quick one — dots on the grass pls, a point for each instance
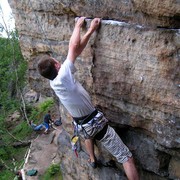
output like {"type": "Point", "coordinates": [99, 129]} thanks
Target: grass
{"type": "Point", "coordinates": [37, 113]}
{"type": "Point", "coordinates": [6, 174]}
{"type": "Point", "coordinates": [22, 131]}
{"type": "Point", "coordinates": [52, 173]}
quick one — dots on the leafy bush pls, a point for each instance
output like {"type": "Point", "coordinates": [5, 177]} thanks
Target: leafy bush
{"type": "Point", "coordinates": [22, 130]}
{"type": "Point", "coordinates": [37, 113]}
{"type": "Point", "coordinates": [53, 169]}
{"type": "Point", "coordinates": [6, 174]}
{"type": "Point", "coordinates": [12, 72]}
{"type": "Point", "coordinates": [47, 104]}
{"type": "Point", "coordinates": [53, 173]}
{"type": "Point", "coordinates": [13, 69]}
{"type": "Point", "coordinates": [4, 153]}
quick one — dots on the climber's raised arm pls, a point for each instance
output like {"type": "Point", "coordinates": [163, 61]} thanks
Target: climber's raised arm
{"type": "Point", "coordinates": [77, 44]}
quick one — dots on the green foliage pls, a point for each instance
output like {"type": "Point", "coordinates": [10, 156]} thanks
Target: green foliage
{"type": "Point", "coordinates": [32, 111]}
{"type": "Point", "coordinates": [47, 104]}
{"type": "Point", "coordinates": [12, 72]}
{"type": "Point", "coordinates": [22, 130]}
{"type": "Point", "coordinates": [36, 113]}
{"type": "Point", "coordinates": [7, 151]}
{"type": "Point", "coordinates": [2, 126]}
{"type": "Point", "coordinates": [4, 153]}
{"type": "Point", "coordinates": [53, 169]}
{"type": "Point", "coordinates": [53, 173]}
{"type": "Point", "coordinates": [13, 78]}
{"type": "Point", "coordinates": [6, 174]}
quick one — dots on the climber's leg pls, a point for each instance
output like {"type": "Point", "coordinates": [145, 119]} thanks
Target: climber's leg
{"type": "Point", "coordinates": [130, 169]}
{"type": "Point", "coordinates": [90, 149]}
{"type": "Point", "coordinates": [113, 143]}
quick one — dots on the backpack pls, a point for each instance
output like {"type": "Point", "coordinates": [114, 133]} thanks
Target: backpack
{"type": "Point", "coordinates": [32, 172]}
{"type": "Point", "coordinates": [58, 122]}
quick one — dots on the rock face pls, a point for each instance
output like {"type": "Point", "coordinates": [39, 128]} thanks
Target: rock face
{"type": "Point", "coordinates": [130, 67]}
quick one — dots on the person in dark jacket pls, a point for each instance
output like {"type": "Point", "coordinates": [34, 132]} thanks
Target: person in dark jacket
{"type": "Point", "coordinates": [47, 121]}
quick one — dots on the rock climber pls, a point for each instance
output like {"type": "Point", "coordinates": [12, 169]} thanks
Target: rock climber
{"type": "Point", "coordinates": [90, 122]}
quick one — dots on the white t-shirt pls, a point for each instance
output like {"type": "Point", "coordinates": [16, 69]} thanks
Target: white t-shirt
{"type": "Point", "coordinates": [70, 92]}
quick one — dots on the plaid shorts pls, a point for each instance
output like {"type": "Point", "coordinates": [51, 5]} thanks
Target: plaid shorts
{"type": "Point", "coordinates": [113, 143]}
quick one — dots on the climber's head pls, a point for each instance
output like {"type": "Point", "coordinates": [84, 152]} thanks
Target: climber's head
{"type": "Point", "coordinates": [48, 67]}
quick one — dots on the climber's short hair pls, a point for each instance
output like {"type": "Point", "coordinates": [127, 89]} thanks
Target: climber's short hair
{"type": "Point", "coordinates": [46, 67]}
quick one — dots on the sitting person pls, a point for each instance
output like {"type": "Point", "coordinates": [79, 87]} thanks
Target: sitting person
{"type": "Point", "coordinates": [36, 127]}
{"type": "Point", "coordinates": [47, 121]}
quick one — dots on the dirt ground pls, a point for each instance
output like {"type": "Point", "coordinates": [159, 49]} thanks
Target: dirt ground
{"type": "Point", "coordinates": [42, 153]}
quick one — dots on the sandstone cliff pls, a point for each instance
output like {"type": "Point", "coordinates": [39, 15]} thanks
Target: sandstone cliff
{"type": "Point", "coordinates": [130, 67]}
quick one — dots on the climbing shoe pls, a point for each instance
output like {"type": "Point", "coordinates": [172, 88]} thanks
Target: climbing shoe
{"type": "Point", "coordinates": [92, 164]}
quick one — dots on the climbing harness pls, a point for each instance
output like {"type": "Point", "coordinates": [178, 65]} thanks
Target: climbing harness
{"type": "Point", "coordinates": [75, 140]}
{"type": "Point", "coordinates": [90, 125]}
